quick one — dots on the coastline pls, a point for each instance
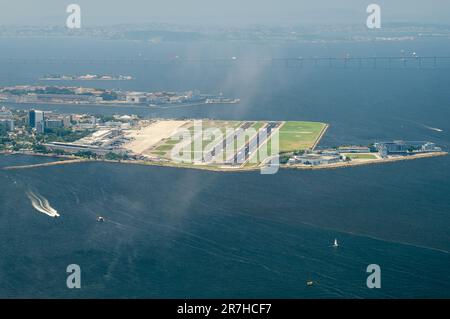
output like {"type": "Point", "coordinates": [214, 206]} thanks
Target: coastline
{"type": "Point", "coordinates": [319, 138]}
{"type": "Point", "coordinates": [369, 162]}
{"type": "Point", "coordinates": [75, 160]}
{"type": "Point", "coordinates": [113, 104]}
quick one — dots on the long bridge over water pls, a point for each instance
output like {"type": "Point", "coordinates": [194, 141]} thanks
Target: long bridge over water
{"type": "Point", "coordinates": [366, 62]}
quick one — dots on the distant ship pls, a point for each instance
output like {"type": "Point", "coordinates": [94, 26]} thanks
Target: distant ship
{"type": "Point", "coordinates": [335, 244]}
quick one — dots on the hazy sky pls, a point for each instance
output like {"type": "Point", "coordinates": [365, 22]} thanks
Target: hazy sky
{"type": "Point", "coordinates": [101, 12]}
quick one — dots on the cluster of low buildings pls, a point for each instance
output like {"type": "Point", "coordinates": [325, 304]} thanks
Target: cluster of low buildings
{"type": "Point", "coordinates": [104, 135]}
{"type": "Point", "coordinates": [107, 136]}
{"type": "Point", "coordinates": [100, 142]}
{"type": "Point", "coordinates": [405, 148]}
{"type": "Point", "coordinates": [42, 120]}
{"type": "Point", "coordinates": [324, 157]}
{"type": "Point", "coordinates": [158, 98]}
{"type": "Point", "coordinates": [52, 94]}
{"type": "Point", "coordinates": [380, 150]}
{"type": "Point", "coordinates": [83, 95]}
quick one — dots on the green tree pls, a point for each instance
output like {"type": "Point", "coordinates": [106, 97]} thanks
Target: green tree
{"type": "Point", "coordinates": [115, 157]}
{"type": "Point", "coordinates": [86, 154]}
{"type": "Point", "coordinates": [39, 148]}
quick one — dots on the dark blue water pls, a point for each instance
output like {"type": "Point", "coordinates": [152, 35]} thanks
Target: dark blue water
{"type": "Point", "coordinates": [187, 233]}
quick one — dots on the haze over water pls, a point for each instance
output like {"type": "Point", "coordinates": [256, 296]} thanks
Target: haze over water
{"type": "Point", "coordinates": [187, 233]}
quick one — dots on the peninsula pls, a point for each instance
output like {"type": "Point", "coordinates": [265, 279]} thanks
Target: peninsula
{"type": "Point", "coordinates": [191, 143]}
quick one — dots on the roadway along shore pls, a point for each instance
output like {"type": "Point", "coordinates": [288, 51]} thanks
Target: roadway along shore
{"type": "Point", "coordinates": [225, 168]}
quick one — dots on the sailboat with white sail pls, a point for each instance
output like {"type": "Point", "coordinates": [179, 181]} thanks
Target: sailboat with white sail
{"type": "Point", "coordinates": [335, 243]}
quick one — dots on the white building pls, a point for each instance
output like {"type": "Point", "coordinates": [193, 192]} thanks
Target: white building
{"type": "Point", "coordinates": [314, 159]}
{"type": "Point", "coordinates": [136, 97]}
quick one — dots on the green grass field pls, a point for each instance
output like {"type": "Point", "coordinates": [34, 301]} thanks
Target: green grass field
{"type": "Point", "coordinates": [360, 156]}
{"type": "Point", "coordinates": [295, 136]}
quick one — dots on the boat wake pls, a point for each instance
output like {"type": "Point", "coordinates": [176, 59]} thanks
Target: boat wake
{"type": "Point", "coordinates": [420, 124]}
{"type": "Point", "coordinates": [41, 204]}
{"type": "Point", "coordinates": [432, 128]}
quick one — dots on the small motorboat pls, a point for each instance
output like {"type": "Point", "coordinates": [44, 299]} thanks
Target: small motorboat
{"type": "Point", "coordinates": [100, 219]}
{"type": "Point", "coordinates": [310, 283]}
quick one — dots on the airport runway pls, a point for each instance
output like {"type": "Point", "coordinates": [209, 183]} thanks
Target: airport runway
{"type": "Point", "coordinates": [243, 154]}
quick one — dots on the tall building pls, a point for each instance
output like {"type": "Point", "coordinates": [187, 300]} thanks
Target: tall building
{"type": "Point", "coordinates": [6, 119]}
{"type": "Point", "coordinates": [7, 124]}
{"type": "Point", "coordinates": [66, 121]}
{"type": "Point", "coordinates": [36, 120]}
